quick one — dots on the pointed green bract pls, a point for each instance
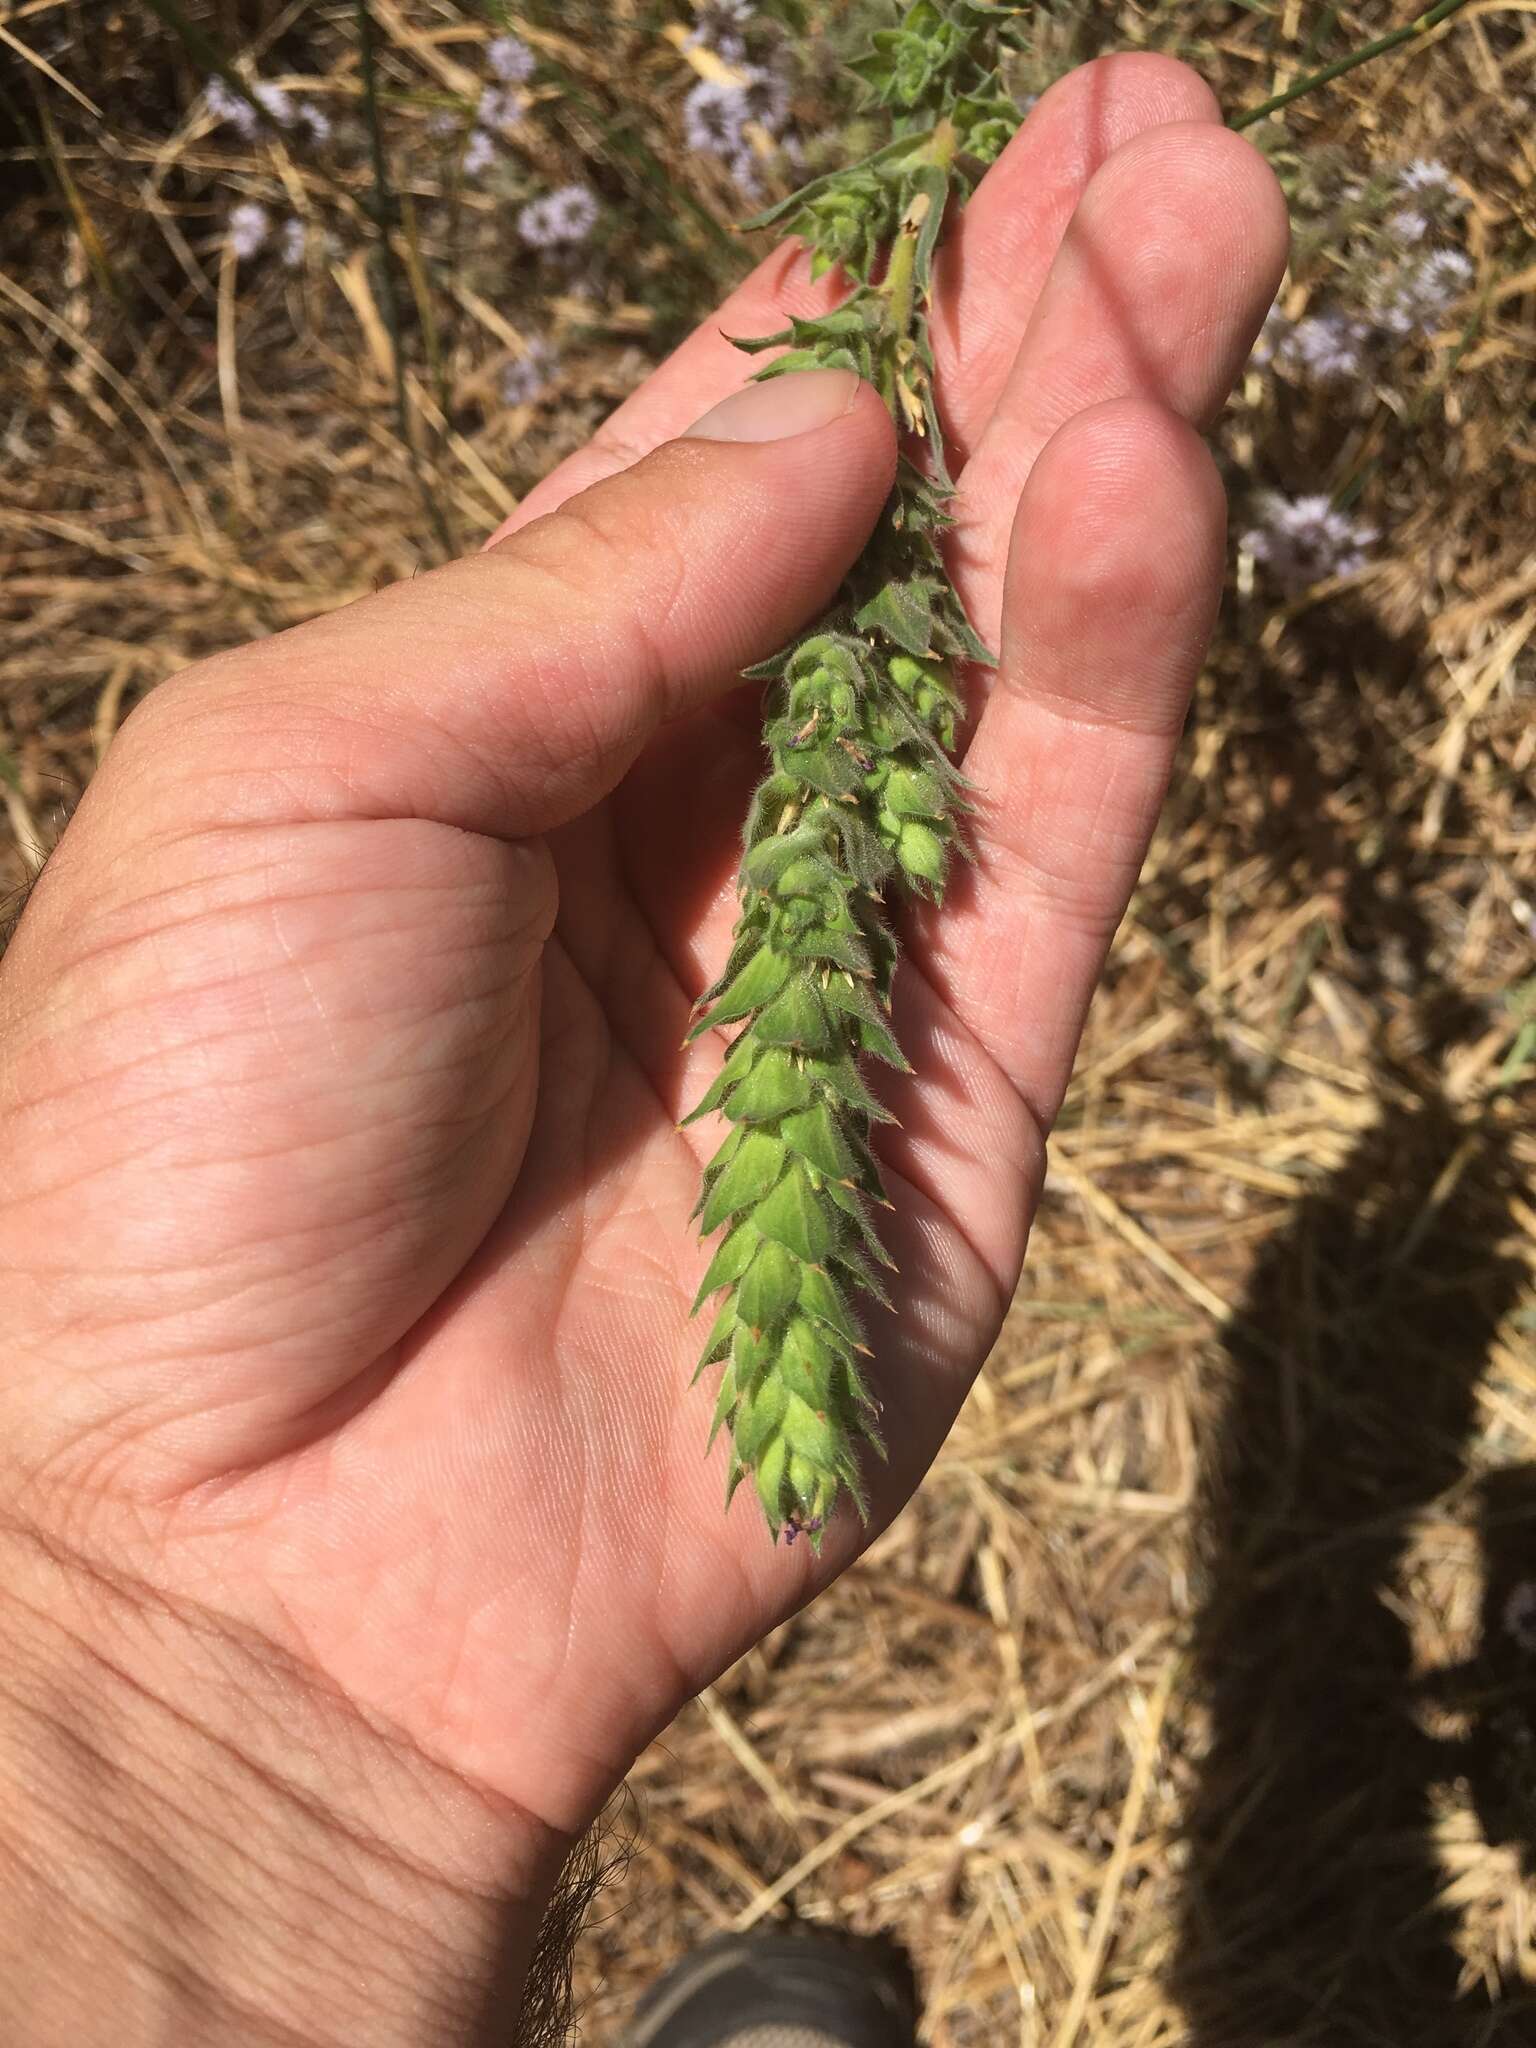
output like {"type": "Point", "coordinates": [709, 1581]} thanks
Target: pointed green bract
{"type": "Point", "coordinates": [861, 715]}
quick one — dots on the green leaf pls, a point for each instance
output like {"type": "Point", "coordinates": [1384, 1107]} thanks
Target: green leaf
{"type": "Point", "coordinates": [755, 344]}
{"type": "Point", "coordinates": [832, 770]}
{"type": "Point", "coordinates": [854, 1000]}
{"type": "Point", "coordinates": [754, 1355]}
{"type": "Point", "coordinates": [796, 1017]}
{"type": "Point", "coordinates": [757, 983]}
{"type": "Point", "coordinates": [752, 1172]}
{"type": "Point", "coordinates": [840, 948]}
{"type": "Point", "coordinates": [902, 145]}
{"type": "Point", "coordinates": [856, 1268]}
{"type": "Point", "coordinates": [933, 182]}
{"type": "Point", "coordinates": [769, 858]}
{"type": "Point", "coordinates": [776, 1085]}
{"type": "Point", "coordinates": [809, 1358]}
{"type": "Point", "coordinates": [759, 1418]}
{"type": "Point", "coordinates": [737, 1062]}
{"type": "Point", "coordinates": [769, 1287]}
{"type": "Point", "coordinates": [852, 1203]}
{"type": "Point", "coordinates": [813, 1135]}
{"type": "Point", "coordinates": [842, 1081]}
{"type": "Point", "coordinates": [903, 611]}
{"type": "Point", "coordinates": [770, 1482]}
{"type": "Point", "coordinates": [725, 1406]}
{"type": "Point", "coordinates": [821, 1298]}
{"type": "Point", "coordinates": [719, 1343]}
{"type": "Point", "coordinates": [922, 854]}
{"type": "Point", "coordinates": [795, 1216]}
{"type": "Point", "coordinates": [732, 1257]}
{"type": "Point", "coordinates": [913, 793]}
{"type": "Point", "coordinates": [808, 1433]}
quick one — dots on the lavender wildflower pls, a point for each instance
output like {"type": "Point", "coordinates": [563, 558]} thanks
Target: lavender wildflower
{"type": "Point", "coordinates": [225, 104]}
{"type": "Point", "coordinates": [721, 26]}
{"type": "Point", "coordinates": [498, 108]}
{"type": "Point", "coordinates": [1408, 224]}
{"type": "Point", "coordinates": [1328, 347]}
{"type": "Point", "coordinates": [1305, 540]}
{"type": "Point", "coordinates": [510, 59]}
{"type": "Point", "coordinates": [291, 239]}
{"type": "Point", "coordinates": [564, 216]}
{"type": "Point", "coordinates": [479, 153]}
{"type": "Point", "coordinates": [315, 122]}
{"type": "Point", "coordinates": [247, 229]}
{"type": "Point", "coordinates": [713, 116]}
{"type": "Point", "coordinates": [764, 97]}
{"type": "Point", "coordinates": [1431, 180]}
{"type": "Point", "coordinates": [743, 169]}
{"type": "Point", "coordinates": [1420, 291]}
{"type": "Point", "coordinates": [526, 379]}
{"type": "Point", "coordinates": [273, 102]}
{"type": "Point", "coordinates": [1520, 1615]}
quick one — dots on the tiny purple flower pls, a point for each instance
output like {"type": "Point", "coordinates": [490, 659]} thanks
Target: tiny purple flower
{"type": "Point", "coordinates": [498, 108]}
{"type": "Point", "coordinates": [480, 153]}
{"type": "Point", "coordinates": [510, 59]}
{"type": "Point", "coordinates": [1428, 178]}
{"type": "Point", "coordinates": [743, 168]}
{"type": "Point", "coordinates": [721, 25]}
{"type": "Point", "coordinates": [764, 97]}
{"type": "Point", "coordinates": [225, 104]}
{"type": "Point", "coordinates": [247, 228]}
{"type": "Point", "coordinates": [1306, 540]}
{"type": "Point", "coordinates": [273, 102]}
{"type": "Point", "coordinates": [1408, 224]}
{"type": "Point", "coordinates": [1327, 347]}
{"type": "Point", "coordinates": [315, 122]}
{"type": "Point", "coordinates": [526, 379]}
{"type": "Point", "coordinates": [713, 115]}
{"type": "Point", "coordinates": [1421, 290]}
{"type": "Point", "coordinates": [292, 237]}
{"type": "Point", "coordinates": [562, 217]}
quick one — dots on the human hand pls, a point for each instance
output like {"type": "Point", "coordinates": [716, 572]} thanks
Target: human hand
{"type": "Point", "coordinates": [341, 1190]}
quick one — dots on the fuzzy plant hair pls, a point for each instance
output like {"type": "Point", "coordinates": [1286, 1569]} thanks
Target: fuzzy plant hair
{"type": "Point", "coordinates": [861, 797]}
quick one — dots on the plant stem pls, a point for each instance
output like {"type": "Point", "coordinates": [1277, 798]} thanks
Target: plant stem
{"type": "Point", "coordinates": [1407, 34]}
{"type": "Point", "coordinates": [900, 270]}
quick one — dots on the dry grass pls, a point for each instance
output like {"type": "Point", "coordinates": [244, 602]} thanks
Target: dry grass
{"type": "Point", "coordinates": [1179, 1708]}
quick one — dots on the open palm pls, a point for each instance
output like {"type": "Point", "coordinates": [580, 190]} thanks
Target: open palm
{"type": "Point", "coordinates": [342, 1174]}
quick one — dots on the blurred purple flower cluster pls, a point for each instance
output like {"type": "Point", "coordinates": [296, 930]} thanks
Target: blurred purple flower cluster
{"type": "Point", "coordinates": [723, 26]}
{"type": "Point", "coordinates": [500, 106]}
{"type": "Point", "coordinates": [558, 219]}
{"type": "Point", "coordinates": [233, 108]}
{"type": "Point", "coordinates": [249, 230]}
{"type": "Point", "coordinates": [725, 116]}
{"type": "Point", "coordinates": [1402, 282]}
{"type": "Point", "coordinates": [1306, 540]}
{"type": "Point", "coordinates": [527, 379]}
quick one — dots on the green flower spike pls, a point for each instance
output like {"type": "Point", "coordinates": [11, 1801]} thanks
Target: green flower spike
{"type": "Point", "coordinates": [860, 794]}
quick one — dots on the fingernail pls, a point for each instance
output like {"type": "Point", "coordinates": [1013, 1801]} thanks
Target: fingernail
{"type": "Point", "coordinates": [797, 403]}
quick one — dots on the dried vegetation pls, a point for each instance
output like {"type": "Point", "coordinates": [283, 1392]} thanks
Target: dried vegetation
{"type": "Point", "coordinates": [1195, 1698]}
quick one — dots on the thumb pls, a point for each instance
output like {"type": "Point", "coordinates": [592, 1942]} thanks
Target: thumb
{"type": "Point", "coordinates": [509, 691]}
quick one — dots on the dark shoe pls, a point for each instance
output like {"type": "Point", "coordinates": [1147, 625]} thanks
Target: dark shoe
{"type": "Point", "coordinates": [791, 1990]}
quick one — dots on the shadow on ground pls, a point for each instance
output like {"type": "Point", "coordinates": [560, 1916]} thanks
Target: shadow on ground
{"type": "Point", "coordinates": [1314, 1909]}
